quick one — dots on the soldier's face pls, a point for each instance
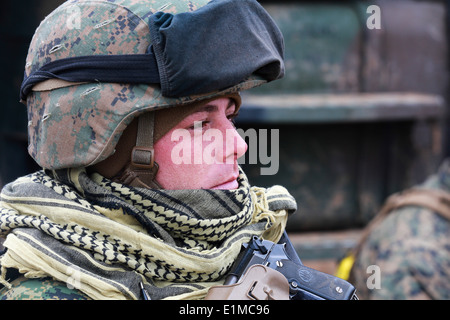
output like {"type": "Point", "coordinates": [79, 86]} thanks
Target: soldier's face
{"type": "Point", "coordinates": [201, 152]}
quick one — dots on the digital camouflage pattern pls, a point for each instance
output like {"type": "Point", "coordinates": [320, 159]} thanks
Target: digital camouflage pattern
{"type": "Point", "coordinates": [79, 124]}
{"type": "Point", "coordinates": [411, 247]}
{"type": "Point", "coordinates": [40, 289]}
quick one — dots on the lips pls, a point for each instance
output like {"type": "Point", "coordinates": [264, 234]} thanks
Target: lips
{"type": "Point", "coordinates": [228, 185]}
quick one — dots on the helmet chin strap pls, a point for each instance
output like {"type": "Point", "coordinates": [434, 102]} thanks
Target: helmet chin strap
{"type": "Point", "coordinates": [141, 170]}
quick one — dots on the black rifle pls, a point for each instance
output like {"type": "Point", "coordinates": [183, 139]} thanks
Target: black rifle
{"type": "Point", "coordinates": [304, 283]}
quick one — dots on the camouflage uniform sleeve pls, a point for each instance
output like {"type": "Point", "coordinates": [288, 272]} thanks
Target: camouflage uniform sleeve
{"type": "Point", "coordinates": [40, 289]}
{"type": "Point", "coordinates": [411, 249]}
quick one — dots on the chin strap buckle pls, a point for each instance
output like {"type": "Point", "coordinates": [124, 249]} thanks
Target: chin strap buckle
{"type": "Point", "coordinates": [141, 172]}
{"type": "Point", "coordinates": [143, 157]}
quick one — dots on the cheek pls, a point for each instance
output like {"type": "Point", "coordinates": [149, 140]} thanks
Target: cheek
{"type": "Point", "coordinates": [181, 164]}
{"type": "Point", "coordinates": [163, 150]}
{"type": "Point", "coordinates": [167, 169]}
{"type": "Point", "coordinates": [173, 173]}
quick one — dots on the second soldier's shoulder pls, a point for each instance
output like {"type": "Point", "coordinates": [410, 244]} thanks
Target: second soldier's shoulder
{"type": "Point", "coordinates": [40, 289]}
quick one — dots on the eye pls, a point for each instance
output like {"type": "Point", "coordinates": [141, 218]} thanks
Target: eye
{"type": "Point", "coordinates": [232, 117]}
{"type": "Point", "coordinates": [196, 124]}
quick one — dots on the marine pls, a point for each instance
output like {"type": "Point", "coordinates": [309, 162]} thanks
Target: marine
{"type": "Point", "coordinates": [409, 246]}
{"type": "Point", "coordinates": [110, 215]}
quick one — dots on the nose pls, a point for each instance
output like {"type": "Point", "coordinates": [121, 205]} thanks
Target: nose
{"type": "Point", "coordinates": [234, 145]}
{"type": "Point", "coordinates": [241, 145]}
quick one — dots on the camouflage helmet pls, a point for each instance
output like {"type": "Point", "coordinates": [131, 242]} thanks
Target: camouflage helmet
{"type": "Point", "coordinates": [76, 121]}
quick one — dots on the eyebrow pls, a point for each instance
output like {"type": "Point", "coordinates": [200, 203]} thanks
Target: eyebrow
{"type": "Point", "coordinates": [212, 107]}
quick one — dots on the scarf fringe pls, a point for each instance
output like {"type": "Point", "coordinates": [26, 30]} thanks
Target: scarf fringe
{"type": "Point", "coordinates": [3, 280]}
{"type": "Point", "coordinates": [275, 220]}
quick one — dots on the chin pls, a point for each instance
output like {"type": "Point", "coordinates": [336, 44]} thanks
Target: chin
{"type": "Point", "coordinates": [231, 185]}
